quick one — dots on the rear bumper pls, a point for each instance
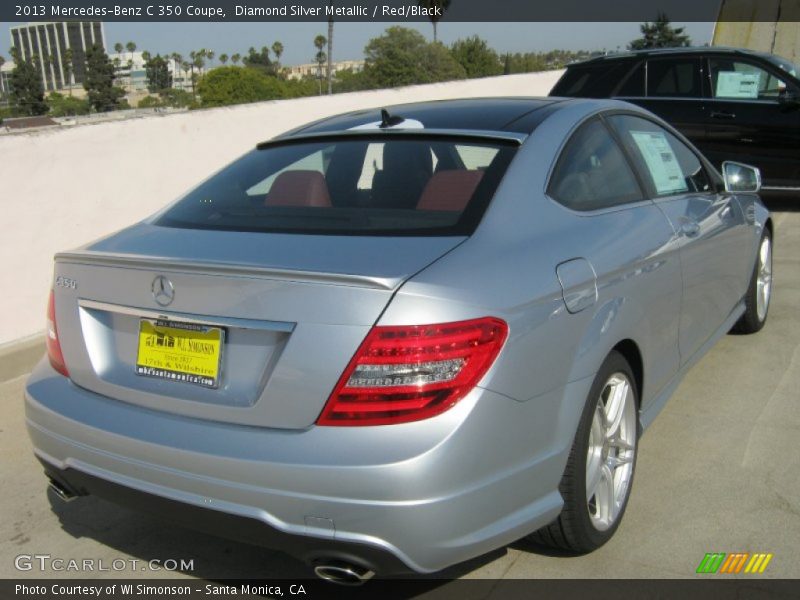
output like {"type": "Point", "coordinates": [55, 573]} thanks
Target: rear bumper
{"type": "Point", "coordinates": [230, 526]}
{"type": "Point", "coordinates": [411, 497]}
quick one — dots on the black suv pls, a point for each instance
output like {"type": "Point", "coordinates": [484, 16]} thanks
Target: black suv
{"type": "Point", "coordinates": [733, 104]}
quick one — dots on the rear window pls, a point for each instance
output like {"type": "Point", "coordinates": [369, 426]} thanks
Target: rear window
{"type": "Point", "coordinates": [373, 185]}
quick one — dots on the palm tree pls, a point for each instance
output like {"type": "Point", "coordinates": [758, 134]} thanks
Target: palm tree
{"type": "Point", "coordinates": [235, 58]}
{"type": "Point", "coordinates": [210, 55]}
{"type": "Point", "coordinates": [190, 64]}
{"type": "Point", "coordinates": [130, 47]}
{"type": "Point", "coordinates": [330, 50]}
{"type": "Point", "coordinates": [442, 5]}
{"type": "Point", "coordinates": [319, 44]}
{"type": "Point", "coordinates": [223, 58]}
{"type": "Point", "coordinates": [277, 50]}
{"type": "Point", "coordinates": [146, 56]}
{"type": "Point", "coordinates": [118, 47]}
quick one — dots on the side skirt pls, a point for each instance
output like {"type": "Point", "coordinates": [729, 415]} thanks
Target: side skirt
{"type": "Point", "coordinates": [648, 415]}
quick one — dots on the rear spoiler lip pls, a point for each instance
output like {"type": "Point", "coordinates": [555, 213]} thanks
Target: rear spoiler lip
{"type": "Point", "coordinates": [166, 264]}
{"type": "Point", "coordinates": [479, 135]}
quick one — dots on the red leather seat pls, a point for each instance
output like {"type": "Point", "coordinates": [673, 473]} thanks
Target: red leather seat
{"type": "Point", "coordinates": [299, 188]}
{"type": "Point", "coordinates": [449, 190]}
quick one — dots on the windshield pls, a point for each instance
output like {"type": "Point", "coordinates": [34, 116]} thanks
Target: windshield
{"type": "Point", "coordinates": [370, 185]}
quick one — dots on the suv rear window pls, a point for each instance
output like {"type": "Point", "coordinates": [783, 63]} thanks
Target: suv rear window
{"type": "Point", "coordinates": [369, 185]}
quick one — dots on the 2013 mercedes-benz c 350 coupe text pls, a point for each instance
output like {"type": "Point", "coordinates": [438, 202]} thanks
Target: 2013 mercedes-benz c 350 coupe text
{"type": "Point", "coordinates": [391, 341]}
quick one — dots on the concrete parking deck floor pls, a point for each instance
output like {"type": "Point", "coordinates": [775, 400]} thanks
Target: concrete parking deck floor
{"type": "Point", "coordinates": [719, 471]}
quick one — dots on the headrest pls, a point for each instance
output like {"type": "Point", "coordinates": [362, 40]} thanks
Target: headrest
{"type": "Point", "coordinates": [299, 188]}
{"type": "Point", "coordinates": [449, 190]}
{"type": "Point", "coordinates": [407, 156]}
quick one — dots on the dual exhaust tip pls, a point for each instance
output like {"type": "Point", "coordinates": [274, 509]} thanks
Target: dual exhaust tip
{"type": "Point", "coordinates": [343, 573]}
{"type": "Point", "coordinates": [338, 572]}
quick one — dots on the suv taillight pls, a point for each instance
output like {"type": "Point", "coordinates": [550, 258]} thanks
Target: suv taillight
{"type": "Point", "coordinates": [409, 373]}
{"type": "Point", "coordinates": [53, 345]}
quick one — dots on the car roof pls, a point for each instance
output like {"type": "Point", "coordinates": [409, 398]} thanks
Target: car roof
{"type": "Point", "coordinates": [511, 115]}
{"type": "Point", "coordinates": [684, 50]}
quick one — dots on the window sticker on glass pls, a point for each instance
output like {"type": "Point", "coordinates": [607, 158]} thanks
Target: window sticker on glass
{"type": "Point", "coordinates": [661, 162]}
{"type": "Point", "coordinates": [734, 84]}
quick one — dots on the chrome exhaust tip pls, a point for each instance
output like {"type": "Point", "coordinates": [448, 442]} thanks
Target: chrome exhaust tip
{"type": "Point", "coordinates": [63, 494]}
{"type": "Point", "coordinates": [343, 573]}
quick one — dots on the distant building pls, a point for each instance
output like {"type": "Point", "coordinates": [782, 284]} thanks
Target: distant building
{"type": "Point", "coordinates": [313, 69]}
{"type": "Point", "coordinates": [5, 73]}
{"type": "Point", "coordinates": [49, 43]}
{"type": "Point", "coordinates": [131, 72]}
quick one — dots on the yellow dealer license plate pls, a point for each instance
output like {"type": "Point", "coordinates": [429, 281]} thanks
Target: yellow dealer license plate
{"type": "Point", "coordinates": [184, 352]}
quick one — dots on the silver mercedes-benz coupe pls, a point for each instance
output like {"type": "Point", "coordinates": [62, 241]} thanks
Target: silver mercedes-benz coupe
{"type": "Point", "coordinates": [394, 340]}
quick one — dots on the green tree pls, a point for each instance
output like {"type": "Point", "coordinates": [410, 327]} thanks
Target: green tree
{"type": "Point", "coordinates": [660, 34]}
{"type": "Point", "coordinates": [477, 58]}
{"type": "Point", "coordinates": [231, 85]}
{"type": "Point", "coordinates": [25, 86]}
{"type": "Point", "coordinates": [401, 56]}
{"type": "Point", "coordinates": [118, 47]}
{"type": "Point", "coordinates": [235, 58]}
{"type": "Point", "coordinates": [223, 58]}
{"type": "Point", "coordinates": [158, 76]}
{"type": "Point", "coordinates": [65, 106]}
{"type": "Point", "coordinates": [99, 81]}
{"type": "Point", "coordinates": [349, 81]}
{"type": "Point", "coordinates": [150, 102]}
{"type": "Point", "coordinates": [436, 10]}
{"type": "Point", "coordinates": [260, 61]}
{"type": "Point", "coordinates": [175, 98]}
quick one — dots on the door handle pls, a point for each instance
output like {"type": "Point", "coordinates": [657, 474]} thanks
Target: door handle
{"type": "Point", "coordinates": [690, 228]}
{"type": "Point", "coordinates": [722, 114]}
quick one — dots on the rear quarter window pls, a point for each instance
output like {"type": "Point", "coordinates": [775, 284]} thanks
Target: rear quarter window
{"type": "Point", "coordinates": [592, 172]}
{"type": "Point", "coordinates": [599, 80]}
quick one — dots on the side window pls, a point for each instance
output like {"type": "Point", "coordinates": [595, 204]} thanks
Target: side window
{"type": "Point", "coordinates": [592, 171]}
{"type": "Point", "coordinates": [633, 84]}
{"type": "Point", "coordinates": [743, 80]}
{"type": "Point", "coordinates": [674, 77]}
{"type": "Point", "coordinates": [672, 167]}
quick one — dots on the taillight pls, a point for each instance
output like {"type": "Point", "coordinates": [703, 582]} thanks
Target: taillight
{"type": "Point", "coordinates": [53, 345]}
{"type": "Point", "coordinates": [402, 374]}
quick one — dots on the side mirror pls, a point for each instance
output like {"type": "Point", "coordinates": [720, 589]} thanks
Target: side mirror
{"type": "Point", "coordinates": [739, 177]}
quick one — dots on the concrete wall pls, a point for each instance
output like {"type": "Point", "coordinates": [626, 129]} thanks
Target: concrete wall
{"type": "Point", "coordinates": [766, 26]}
{"type": "Point", "coordinates": [63, 188]}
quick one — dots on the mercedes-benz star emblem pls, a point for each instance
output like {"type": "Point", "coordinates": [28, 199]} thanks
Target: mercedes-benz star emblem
{"type": "Point", "coordinates": [163, 291]}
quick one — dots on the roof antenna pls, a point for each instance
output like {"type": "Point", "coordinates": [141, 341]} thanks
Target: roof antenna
{"type": "Point", "coordinates": [388, 120]}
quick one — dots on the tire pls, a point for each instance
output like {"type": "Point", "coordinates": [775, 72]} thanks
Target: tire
{"type": "Point", "coordinates": [587, 522]}
{"type": "Point", "coordinates": [759, 292]}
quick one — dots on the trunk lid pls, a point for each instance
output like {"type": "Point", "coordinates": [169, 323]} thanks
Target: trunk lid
{"type": "Point", "coordinates": [293, 308]}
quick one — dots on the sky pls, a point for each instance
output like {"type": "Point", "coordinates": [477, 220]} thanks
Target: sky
{"type": "Point", "coordinates": [350, 38]}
